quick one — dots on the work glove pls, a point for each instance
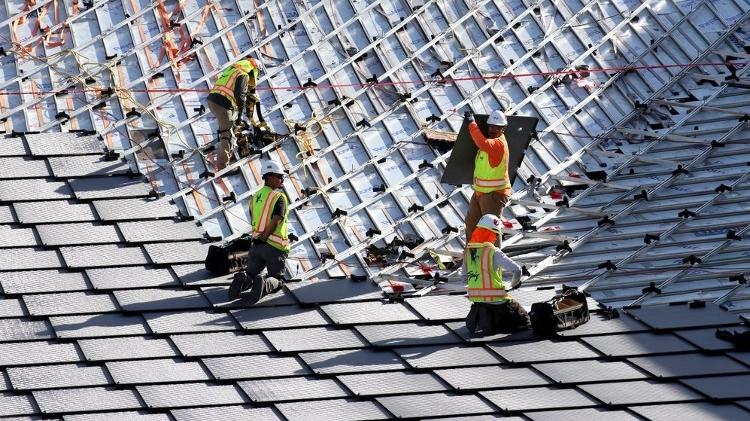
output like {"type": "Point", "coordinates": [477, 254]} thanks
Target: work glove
{"type": "Point", "coordinates": [469, 116]}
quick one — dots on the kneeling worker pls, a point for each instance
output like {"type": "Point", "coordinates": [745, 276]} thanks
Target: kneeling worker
{"type": "Point", "coordinates": [486, 267]}
{"type": "Point", "coordinates": [270, 248]}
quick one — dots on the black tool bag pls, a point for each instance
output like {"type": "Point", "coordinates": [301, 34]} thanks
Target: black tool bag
{"type": "Point", "coordinates": [228, 257]}
{"type": "Point", "coordinates": [563, 311]}
{"type": "Point", "coordinates": [486, 319]}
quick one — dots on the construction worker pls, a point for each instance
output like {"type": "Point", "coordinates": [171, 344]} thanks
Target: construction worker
{"type": "Point", "coordinates": [491, 184]}
{"type": "Point", "coordinates": [233, 91]}
{"type": "Point", "coordinates": [487, 270]}
{"type": "Point", "coordinates": [270, 246]}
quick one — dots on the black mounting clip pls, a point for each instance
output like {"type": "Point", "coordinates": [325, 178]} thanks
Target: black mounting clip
{"type": "Point", "coordinates": [564, 246]}
{"type": "Point", "coordinates": [608, 265]}
{"type": "Point", "coordinates": [651, 288]}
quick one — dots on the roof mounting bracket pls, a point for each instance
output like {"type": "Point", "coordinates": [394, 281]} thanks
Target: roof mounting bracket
{"type": "Point", "coordinates": [680, 170]}
{"type": "Point", "coordinates": [334, 102]}
{"type": "Point", "coordinates": [230, 198]}
{"type": "Point", "coordinates": [697, 304]}
{"type": "Point", "coordinates": [357, 278]}
{"type": "Point", "coordinates": [745, 118]}
{"type": "Point", "coordinates": [309, 84]}
{"type": "Point", "coordinates": [179, 155]}
{"type": "Point", "coordinates": [605, 220]}
{"type": "Point", "coordinates": [651, 237]}
{"type": "Point", "coordinates": [206, 174]}
{"type": "Point", "coordinates": [200, 110]}
{"type": "Point", "coordinates": [155, 194]}
{"type": "Point", "coordinates": [363, 123]}
{"type": "Point", "coordinates": [372, 232]}
{"type": "Point", "coordinates": [563, 202]}
{"type": "Point", "coordinates": [642, 195]}
{"type": "Point", "coordinates": [651, 288]}
{"type": "Point", "coordinates": [406, 255]}
{"type": "Point", "coordinates": [732, 235]}
{"type": "Point", "coordinates": [564, 246]}
{"type": "Point", "coordinates": [111, 156]}
{"type": "Point", "coordinates": [448, 229]}
{"type": "Point", "coordinates": [416, 208]}
{"type": "Point", "coordinates": [686, 214]}
{"type": "Point", "coordinates": [338, 212]}
{"type": "Point", "coordinates": [132, 113]}
{"type": "Point", "coordinates": [692, 259]}
{"type": "Point", "coordinates": [741, 279]}
{"type": "Point", "coordinates": [433, 119]}
{"type": "Point", "coordinates": [716, 144]}
{"type": "Point", "coordinates": [723, 188]}
{"type": "Point", "coordinates": [425, 164]}
{"type": "Point", "coordinates": [608, 265]}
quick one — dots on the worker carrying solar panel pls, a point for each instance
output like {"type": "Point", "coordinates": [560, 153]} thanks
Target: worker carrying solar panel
{"type": "Point", "coordinates": [487, 270]}
{"type": "Point", "coordinates": [233, 92]}
{"type": "Point", "coordinates": [491, 185]}
{"type": "Point", "coordinates": [270, 246]}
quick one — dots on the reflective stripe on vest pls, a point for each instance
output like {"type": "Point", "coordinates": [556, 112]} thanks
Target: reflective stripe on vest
{"type": "Point", "coordinates": [488, 178]}
{"type": "Point", "coordinates": [225, 85]}
{"type": "Point", "coordinates": [484, 284]}
{"type": "Point", "coordinates": [262, 207]}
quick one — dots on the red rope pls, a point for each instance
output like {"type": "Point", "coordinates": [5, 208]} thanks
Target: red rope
{"type": "Point", "coordinates": [403, 82]}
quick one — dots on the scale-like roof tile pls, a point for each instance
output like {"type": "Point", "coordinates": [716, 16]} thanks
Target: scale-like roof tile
{"type": "Point", "coordinates": [57, 376]}
{"type": "Point", "coordinates": [189, 394]}
{"type": "Point", "coordinates": [434, 404]}
{"type": "Point", "coordinates": [333, 409]}
{"type": "Point", "coordinates": [277, 390]}
{"type": "Point", "coordinates": [392, 382]}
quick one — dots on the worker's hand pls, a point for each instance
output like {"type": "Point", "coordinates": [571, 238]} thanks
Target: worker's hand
{"type": "Point", "coordinates": [241, 122]}
{"type": "Point", "coordinates": [469, 116]}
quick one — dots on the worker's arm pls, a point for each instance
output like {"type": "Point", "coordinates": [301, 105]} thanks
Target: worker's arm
{"type": "Point", "coordinates": [276, 216]}
{"type": "Point", "coordinates": [252, 97]}
{"type": "Point", "coordinates": [509, 267]}
{"type": "Point", "coordinates": [494, 147]}
{"type": "Point", "coordinates": [271, 227]}
{"type": "Point", "coordinates": [240, 93]}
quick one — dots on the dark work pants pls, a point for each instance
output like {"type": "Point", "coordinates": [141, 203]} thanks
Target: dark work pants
{"type": "Point", "coordinates": [262, 255]}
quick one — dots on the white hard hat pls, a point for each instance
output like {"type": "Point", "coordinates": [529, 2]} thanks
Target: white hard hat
{"type": "Point", "coordinates": [272, 167]}
{"type": "Point", "coordinates": [497, 118]}
{"type": "Point", "coordinates": [490, 222]}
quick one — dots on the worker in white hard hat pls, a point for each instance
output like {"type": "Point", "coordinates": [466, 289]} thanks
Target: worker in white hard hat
{"type": "Point", "coordinates": [488, 270]}
{"type": "Point", "coordinates": [491, 183]}
{"type": "Point", "coordinates": [270, 248]}
{"type": "Point", "coordinates": [232, 92]}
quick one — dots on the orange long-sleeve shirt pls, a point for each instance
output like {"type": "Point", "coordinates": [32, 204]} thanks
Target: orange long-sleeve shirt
{"type": "Point", "coordinates": [495, 147]}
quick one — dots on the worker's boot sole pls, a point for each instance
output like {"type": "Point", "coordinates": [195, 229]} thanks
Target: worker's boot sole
{"type": "Point", "coordinates": [239, 283]}
{"type": "Point", "coordinates": [256, 290]}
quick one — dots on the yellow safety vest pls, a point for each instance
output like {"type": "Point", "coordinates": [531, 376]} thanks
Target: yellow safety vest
{"type": "Point", "coordinates": [484, 283]}
{"type": "Point", "coordinates": [263, 203]}
{"type": "Point", "coordinates": [488, 178]}
{"type": "Point", "coordinates": [225, 85]}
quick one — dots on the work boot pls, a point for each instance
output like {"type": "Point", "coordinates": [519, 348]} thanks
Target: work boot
{"type": "Point", "coordinates": [256, 290]}
{"type": "Point", "coordinates": [239, 284]}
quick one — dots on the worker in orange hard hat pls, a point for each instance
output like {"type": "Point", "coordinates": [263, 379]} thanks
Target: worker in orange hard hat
{"type": "Point", "coordinates": [233, 92]}
{"type": "Point", "coordinates": [489, 272]}
{"type": "Point", "coordinates": [491, 184]}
